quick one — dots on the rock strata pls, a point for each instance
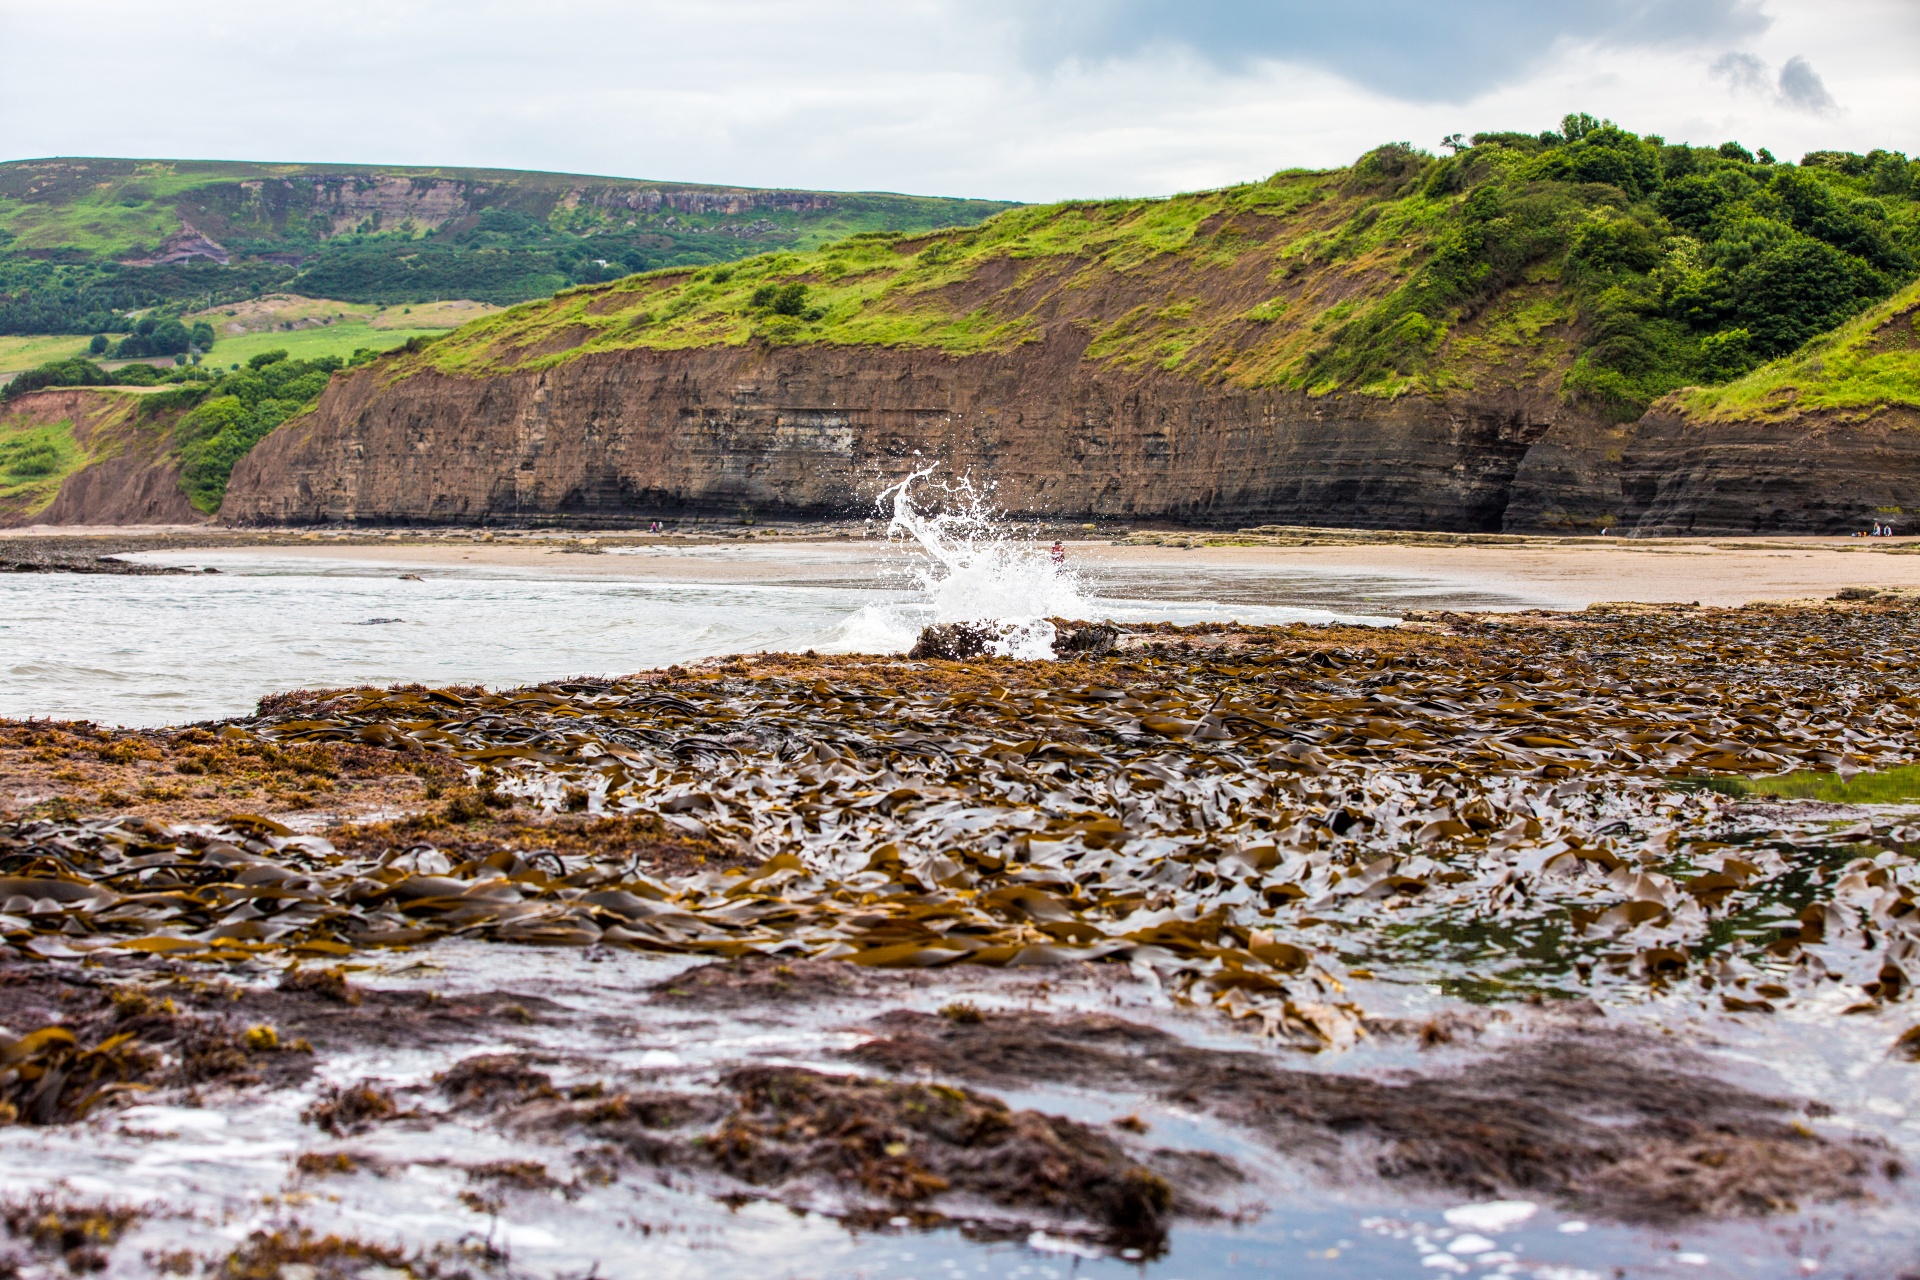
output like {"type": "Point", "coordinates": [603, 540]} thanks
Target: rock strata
{"type": "Point", "coordinates": [796, 431]}
{"type": "Point", "coordinates": [770, 432]}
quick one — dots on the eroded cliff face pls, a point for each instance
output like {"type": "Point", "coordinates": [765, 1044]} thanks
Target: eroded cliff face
{"type": "Point", "coordinates": [126, 473]}
{"type": "Point", "coordinates": [1811, 473]}
{"type": "Point", "coordinates": [819, 431]}
{"type": "Point", "coordinates": [615, 438]}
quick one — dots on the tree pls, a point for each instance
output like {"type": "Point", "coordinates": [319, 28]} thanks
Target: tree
{"type": "Point", "coordinates": [1577, 125]}
{"type": "Point", "coordinates": [98, 347]}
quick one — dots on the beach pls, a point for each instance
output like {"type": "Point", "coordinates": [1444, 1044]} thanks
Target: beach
{"type": "Point", "coordinates": [1558, 573]}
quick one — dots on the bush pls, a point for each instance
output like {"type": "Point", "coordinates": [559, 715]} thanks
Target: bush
{"type": "Point", "coordinates": [57, 373]}
{"type": "Point", "coordinates": [790, 300]}
{"type": "Point", "coordinates": [239, 411]}
{"type": "Point", "coordinates": [25, 459]}
{"type": "Point", "coordinates": [1686, 264]}
{"type": "Point", "coordinates": [154, 337]}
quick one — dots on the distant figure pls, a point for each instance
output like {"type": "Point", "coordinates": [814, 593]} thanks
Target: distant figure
{"type": "Point", "coordinates": [1058, 553]}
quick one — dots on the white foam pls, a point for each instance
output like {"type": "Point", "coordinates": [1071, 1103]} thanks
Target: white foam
{"type": "Point", "coordinates": [1491, 1215]}
{"type": "Point", "coordinates": [976, 570]}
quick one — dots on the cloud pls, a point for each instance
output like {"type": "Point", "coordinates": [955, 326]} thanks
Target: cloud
{"type": "Point", "coordinates": [1412, 50]}
{"type": "Point", "coordinates": [1802, 88]}
{"type": "Point", "coordinates": [949, 97]}
{"type": "Point", "coordinates": [1798, 87]}
{"type": "Point", "coordinates": [1745, 72]}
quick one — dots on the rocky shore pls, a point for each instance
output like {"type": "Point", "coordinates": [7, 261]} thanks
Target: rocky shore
{"type": "Point", "coordinates": [1113, 957]}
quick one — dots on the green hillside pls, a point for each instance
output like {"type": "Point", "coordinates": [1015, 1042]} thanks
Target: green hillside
{"type": "Point", "coordinates": [1871, 361]}
{"type": "Point", "coordinates": [82, 241]}
{"type": "Point", "coordinates": [1613, 267]}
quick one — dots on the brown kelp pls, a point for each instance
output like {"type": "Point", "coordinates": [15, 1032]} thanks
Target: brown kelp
{"type": "Point", "coordinates": [1249, 815]}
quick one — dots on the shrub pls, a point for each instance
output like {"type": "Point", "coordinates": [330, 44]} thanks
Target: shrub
{"type": "Point", "coordinates": [31, 458]}
{"type": "Point", "coordinates": [57, 373]}
{"type": "Point", "coordinates": [790, 300]}
{"type": "Point", "coordinates": [239, 411]}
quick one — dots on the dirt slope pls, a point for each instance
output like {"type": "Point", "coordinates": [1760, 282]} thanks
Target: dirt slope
{"type": "Point", "coordinates": [118, 467]}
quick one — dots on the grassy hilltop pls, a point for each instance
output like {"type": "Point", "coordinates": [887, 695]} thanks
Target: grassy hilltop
{"type": "Point", "coordinates": [1615, 267]}
{"type": "Point", "coordinates": [73, 233]}
{"type": "Point", "coordinates": [1608, 268]}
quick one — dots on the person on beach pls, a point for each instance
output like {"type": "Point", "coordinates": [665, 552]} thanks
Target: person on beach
{"type": "Point", "coordinates": [1058, 553]}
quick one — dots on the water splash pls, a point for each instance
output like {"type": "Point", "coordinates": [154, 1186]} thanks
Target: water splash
{"type": "Point", "coordinates": [975, 569]}
{"type": "Point", "coordinates": [968, 566]}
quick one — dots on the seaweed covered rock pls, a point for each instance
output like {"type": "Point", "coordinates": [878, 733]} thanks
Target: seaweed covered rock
{"type": "Point", "coordinates": [954, 641]}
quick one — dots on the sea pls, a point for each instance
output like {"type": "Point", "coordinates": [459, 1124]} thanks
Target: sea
{"type": "Point", "coordinates": [151, 650]}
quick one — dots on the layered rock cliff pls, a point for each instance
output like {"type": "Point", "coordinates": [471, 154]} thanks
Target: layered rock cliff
{"type": "Point", "coordinates": [785, 431]}
{"type": "Point", "coordinates": [1460, 345]}
{"type": "Point", "coordinates": [623, 437]}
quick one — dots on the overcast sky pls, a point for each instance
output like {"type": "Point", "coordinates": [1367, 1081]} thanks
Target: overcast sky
{"type": "Point", "coordinates": [1030, 100]}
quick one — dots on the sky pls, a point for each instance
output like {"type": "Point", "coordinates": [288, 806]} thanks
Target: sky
{"type": "Point", "coordinates": [1010, 99]}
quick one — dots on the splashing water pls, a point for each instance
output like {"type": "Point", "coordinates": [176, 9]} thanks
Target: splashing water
{"type": "Point", "coordinates": [970, 567]}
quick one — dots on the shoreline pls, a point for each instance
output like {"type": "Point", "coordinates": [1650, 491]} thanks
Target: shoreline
{"type": "Point", "coordinates": [1183, 904]}
{"type": "Point", "coordinates": [1546, 572]}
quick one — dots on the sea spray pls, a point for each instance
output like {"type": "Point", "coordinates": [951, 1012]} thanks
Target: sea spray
{"type": "Point", "coordinates": [968, 566]}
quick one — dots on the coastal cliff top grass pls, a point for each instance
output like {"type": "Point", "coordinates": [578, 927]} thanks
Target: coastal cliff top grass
{"type": "Point", "coordinates": [1869, 363]}
{"type": "Point", "coordinates": [1605, 266]}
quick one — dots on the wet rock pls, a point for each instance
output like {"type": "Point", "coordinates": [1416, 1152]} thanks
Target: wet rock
{"type": "Point", "coordinates": [90, 564]}
{"type": "Point", "coordinates": [1092, 641]}
{"type": "Point", "coordinates": [489, 1079]}
{"type": "Point", "coordinates": [907, 1143]}
{"type": "Point", "coordinates": [79, 1234]}
{"type": "Point", "coordinates": [346, 1109]}
{"type": "Point", "coordinates": [954, 641]}
{"type": "Point", "coordinates": [762, 980]}
{"type": "Point", "coordinates": [1600, 1121]}
{"type": "Point", "coordinates": [328, 984]}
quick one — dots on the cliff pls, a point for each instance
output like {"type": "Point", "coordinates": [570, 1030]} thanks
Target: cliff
{"type": "Point", "coordinates": [87, 456]}
{"type": "Point", "coordinates": [1492, 342]}
{"type": "Point", "coordinates": [795, 431]}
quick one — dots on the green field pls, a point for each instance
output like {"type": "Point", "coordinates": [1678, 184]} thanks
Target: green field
{"type": "Point", "coordinates": [84, 242]}
{"type": "Point", "coordinates": [341, 340]}
{"type": "Point", "coordinates": [27, 350]}
{"type": "Point", "coordinates": [19, 352]}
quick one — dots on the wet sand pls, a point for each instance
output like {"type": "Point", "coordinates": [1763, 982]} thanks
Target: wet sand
{"type": "Point", "coordinates": [1720, 572]}
{"type": "Point", "coordinates": [1554, 572]}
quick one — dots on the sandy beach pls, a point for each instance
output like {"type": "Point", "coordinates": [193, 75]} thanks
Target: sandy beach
{"type": "Point", "coordinates": [1538, 571]}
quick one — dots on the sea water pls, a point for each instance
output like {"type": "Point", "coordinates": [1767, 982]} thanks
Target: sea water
{"type": "Point", "coordinates": [153, 650]}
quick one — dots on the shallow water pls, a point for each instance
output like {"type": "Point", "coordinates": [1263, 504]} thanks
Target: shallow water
{"type": "Point", "coordinates": [224, 1168]}
{"type": "Point", "coordinates": [167, 650]}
